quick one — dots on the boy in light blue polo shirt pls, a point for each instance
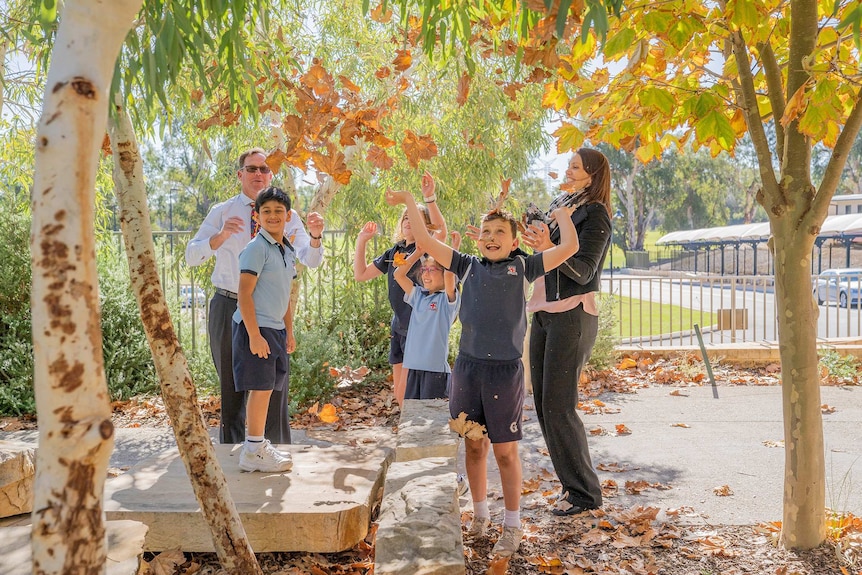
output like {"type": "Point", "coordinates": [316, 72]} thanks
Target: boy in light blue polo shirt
{"type": "Point", "coordinates": [263, 327]}
{"type": "Point", "coordinates": [434, 307]}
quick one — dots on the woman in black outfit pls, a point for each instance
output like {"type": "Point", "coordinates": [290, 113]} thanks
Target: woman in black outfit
{"type": "Point", "coordinates": [565, 325]}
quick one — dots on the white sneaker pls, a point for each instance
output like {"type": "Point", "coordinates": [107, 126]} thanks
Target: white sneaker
{"type": "Point", "coordinates": [463, 486]}
{"type": "Point", "coordinates": [266, 459]}
{"type": "Point", "coordinates": [508, 542]}
{"type": "Point", "coordinates": [478, 528]}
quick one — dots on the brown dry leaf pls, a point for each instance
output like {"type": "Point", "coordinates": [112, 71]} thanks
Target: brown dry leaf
{"type": "Point", "coordinates": [678, 393]}
{"type": "Point", "coordinates": [598, 431]}
{"type": "Point", "coordinates": [636, 487]}
{"type": "Point", "coordinates": [717, 546]}
{"type": "Point", "coordinates": [468, 429]}
{"type": "Point", "coordinates": [498, 566]}
{"type": "Point", "coordinates": [332, 164]}
{"type": "Point", "coordinates": [403, 60]}
{"type": "Point", "coordinates": [530, 485]}
{"type": "Point", "coordinates": [399, 260]}
{"type": "Point", "coordinates": [383, 72]}
{"type": "Point", "coordinates": [774, 443]}
{"type": "Point", "coordinates": [327, 414]}
{"type": "Point", "coordinates": [622, 429]}
{"type": "Point", "coordinates": [614, 467]}
{"type": "Point", "coordinates": [548, 564]}
{"type": "Point", "coordinates": [722, 490]}
{"type": "Point", "coordinates": [594, 536]}
{"type": "Point", "coordinates": [378, 158]}
{"type": "Point", "coordinates": [463, 89]}
{"type": "Point", "coordinates": [827, 409]}
{"type": "Point", "coordinates": [627, 363]}
{"type": "Point", "coordinates": [378, 15]}
{"type": "Point", "coordinates": [166, 562]}
{"type": "Point", "coordinates": [684, 425]}
{"type": "Point", "coordinates": [418, 148]}
{"type": "Point", "coordinates": [106, 145]}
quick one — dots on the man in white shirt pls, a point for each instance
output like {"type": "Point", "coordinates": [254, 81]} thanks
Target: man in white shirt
{"type": "Point", "coordinates": [226, 230]}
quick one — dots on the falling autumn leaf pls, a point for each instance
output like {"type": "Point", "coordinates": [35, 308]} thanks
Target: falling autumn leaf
{"type": "Point", "coordinates": [383, 72]}
{"type": "Point", "coordinates": [106, 145]}
{"type": "Point", "coordinates": [418, 148]}
{"type": "Point", "coordinates": [399, 259]}
{"type": "Point", "coordinates": [403, 60]}
{"type": "Point", "coordinates": [465, 428]}
{"type": "Point", "coordinates": [378, 158]}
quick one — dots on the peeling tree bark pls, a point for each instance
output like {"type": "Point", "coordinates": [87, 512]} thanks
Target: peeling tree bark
{"type": "Point", "coordinates": [178, 390]}
{"type": "Point", "coordinates": [76, 435]}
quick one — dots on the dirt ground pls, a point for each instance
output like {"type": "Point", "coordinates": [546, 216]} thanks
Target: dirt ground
{"type": "Point", "coordinates": [610, 541]}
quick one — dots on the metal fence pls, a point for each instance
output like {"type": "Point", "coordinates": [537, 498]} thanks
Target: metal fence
{"type": "Point", "coordinates": [654, 310]}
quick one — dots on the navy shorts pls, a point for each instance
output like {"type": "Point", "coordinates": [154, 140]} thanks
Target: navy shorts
{"type": "Point", "coordinates": [427, 385]}
{"type": "Point", "coordinates": [251, 372]}
{"type": "Point", "coordinates": [490, 393]}
{"type": "Point", "coordinates": [396, 347]}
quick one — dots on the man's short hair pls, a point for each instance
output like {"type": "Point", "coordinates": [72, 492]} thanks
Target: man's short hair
{"type": "Point", "coordinates": [247, 153]}
{"type": "Point", "coordinates": [269, 194]}
{"type": "Point", "coordinates": [502, 215]}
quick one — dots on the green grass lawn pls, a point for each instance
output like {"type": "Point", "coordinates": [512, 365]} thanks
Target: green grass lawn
{"type": "Point", "coordinates": [651, 318]}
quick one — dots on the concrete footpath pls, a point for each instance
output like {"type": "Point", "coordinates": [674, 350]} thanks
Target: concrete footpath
{"type": "Point", "coordinates": [735, 440]}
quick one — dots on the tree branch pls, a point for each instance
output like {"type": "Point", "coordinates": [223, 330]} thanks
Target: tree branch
{"type": "Point", "coordinates": [775, 91]}
{"type": "Point", "coordinates": [755, 124]}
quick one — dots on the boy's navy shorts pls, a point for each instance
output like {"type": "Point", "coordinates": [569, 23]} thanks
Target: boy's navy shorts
{"type": "Point", "coordinates": [251, 372]}
{"type": "Point", "coordinates": [491, 393]}
{"type": "Point", "coordinates": [427, 385]}
{"type": "Point", "coordinates": [396, 347]}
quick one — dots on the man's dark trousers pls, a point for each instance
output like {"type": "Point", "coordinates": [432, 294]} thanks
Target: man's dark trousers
{"type": "Point", "coordinates": [232, 426]}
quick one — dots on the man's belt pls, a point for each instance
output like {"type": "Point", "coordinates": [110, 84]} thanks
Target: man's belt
{"type": "Point", "coordinates": [225, 293]}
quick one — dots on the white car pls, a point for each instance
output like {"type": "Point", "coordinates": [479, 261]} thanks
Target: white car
{"type": "Point", "coordinates": [843, 285]}
{"type": "Point", "coordinates": [186, 299]}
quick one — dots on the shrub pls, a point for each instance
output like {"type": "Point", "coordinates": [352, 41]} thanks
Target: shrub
{"type": "Point", "coordinates": [604, 351]}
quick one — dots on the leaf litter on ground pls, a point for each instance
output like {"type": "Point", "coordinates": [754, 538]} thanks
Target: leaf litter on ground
{"type": "Point", "coordinates": [610, 541]}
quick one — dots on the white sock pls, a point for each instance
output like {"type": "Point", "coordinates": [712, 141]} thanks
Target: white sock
{"type": "Point", "coordinates": [253, 442]}
{"type": "Point", "coordinates": [512, 519]}
{"type": "Point", "coordinates": [480, 510]}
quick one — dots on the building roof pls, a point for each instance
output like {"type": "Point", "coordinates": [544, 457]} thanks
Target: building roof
{"type": "Point", "coordinates": [848, 225]}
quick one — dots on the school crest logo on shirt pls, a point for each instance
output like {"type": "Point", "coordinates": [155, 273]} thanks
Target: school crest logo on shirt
{"type": "Point", "coordinates": [432, 306]}
{"type": "Point", "coordinates": [511, 270]}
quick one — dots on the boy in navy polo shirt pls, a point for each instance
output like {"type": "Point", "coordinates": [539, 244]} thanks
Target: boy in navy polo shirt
{"type": "Point", "coordinates": [263, 327]}
{"type": "Point", "coordinates": [488, 377]}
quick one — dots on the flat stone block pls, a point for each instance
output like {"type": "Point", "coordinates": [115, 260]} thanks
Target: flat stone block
{"type": "Point", "coordinates": [17, 473]}
{"type": "Point", "coordinates": [419, 531]}
{"type": "Point", "coordinates": [323, 505]}
{"type": "Point", "coordinates": [125, 545]}
{"type": "Point", "coordinates": [423, 430]}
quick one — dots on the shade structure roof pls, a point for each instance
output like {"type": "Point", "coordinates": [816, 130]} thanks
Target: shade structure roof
{"type": "Point", "coordinates": [847, 225]}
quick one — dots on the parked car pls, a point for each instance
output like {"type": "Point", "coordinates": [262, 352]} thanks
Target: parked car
{"type": "Point", "coordinates": [187, 300]}
{"type": "Point", "coordinates": [843, 285]}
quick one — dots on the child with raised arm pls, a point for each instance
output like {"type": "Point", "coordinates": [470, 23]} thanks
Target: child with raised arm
{"type": "Point", "coordinates": [434, 308]}
{"type": "Point", "coordinates": [488, 377]}
{"type": "Point", "coordinates": [385, 263]}
{"type": "Point", "coordinates": [263, 328]}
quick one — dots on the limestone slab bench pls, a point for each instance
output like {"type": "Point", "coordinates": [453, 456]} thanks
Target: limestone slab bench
{"type": "Point", "coordinates": [419, 528]}
{"type": "Point", "coordinates": [125, 545]}
{"type": "Point", "coordinates": [17, 473]}
{"type": "Point", "coordinates": [323, 505]}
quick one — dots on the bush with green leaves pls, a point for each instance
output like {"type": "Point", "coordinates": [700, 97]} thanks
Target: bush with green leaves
{"type": "Point", "coordinates": [604, 350]}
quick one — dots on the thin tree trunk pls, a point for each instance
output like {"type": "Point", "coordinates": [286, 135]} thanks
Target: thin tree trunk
{"type": "Point", "coordinates": [178, 390]}
{"type": "Point", "coordinates": [804, 522]}
{"type": "Point", "coordinates": [76, 435]}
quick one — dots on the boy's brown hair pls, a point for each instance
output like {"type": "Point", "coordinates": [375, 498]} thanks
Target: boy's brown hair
{"type": "Point", "coordinates": [502, 215]}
